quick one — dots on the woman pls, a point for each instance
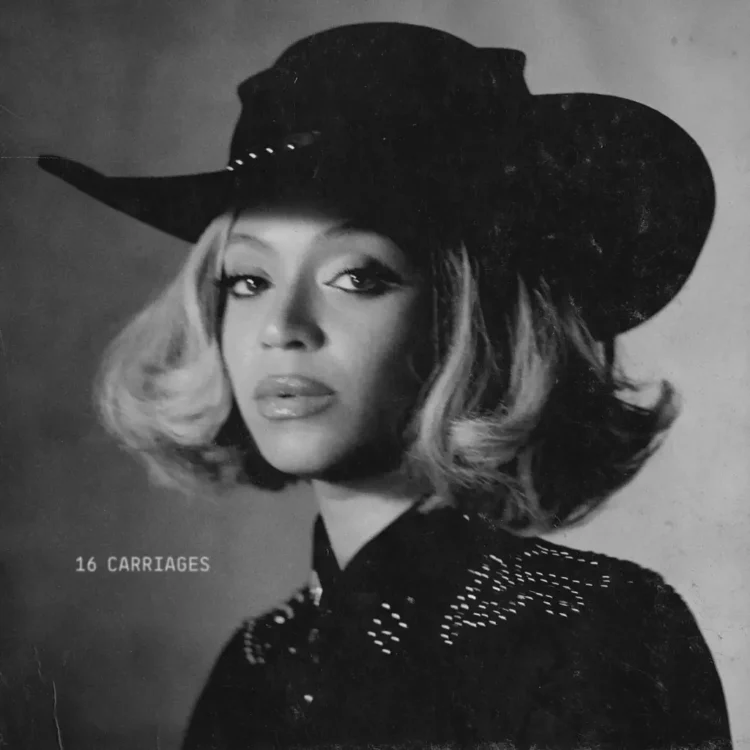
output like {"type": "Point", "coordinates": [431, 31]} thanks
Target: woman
{"type": "Point", "coordinates": [404, 289]}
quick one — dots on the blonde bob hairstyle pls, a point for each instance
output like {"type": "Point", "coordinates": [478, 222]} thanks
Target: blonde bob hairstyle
{"type": "Point", "coordinates": [524, 417]}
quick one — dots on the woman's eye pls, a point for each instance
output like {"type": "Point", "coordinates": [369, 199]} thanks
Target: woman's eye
{"type": "Point", "coordinates": [372, 279]}
{"type": "Point", "coordinates": [243, 285]}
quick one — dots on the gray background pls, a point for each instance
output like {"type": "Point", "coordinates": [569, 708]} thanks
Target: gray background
{"type": "Point", "coordinates": [114, 660]}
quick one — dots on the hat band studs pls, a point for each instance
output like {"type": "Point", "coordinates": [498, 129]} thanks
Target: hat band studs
{"type": "Point", "coordinates": [290, 143]}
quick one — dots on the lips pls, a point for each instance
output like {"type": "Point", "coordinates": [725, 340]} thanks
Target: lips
{"type": "Point", "coordinates": [290, 386]}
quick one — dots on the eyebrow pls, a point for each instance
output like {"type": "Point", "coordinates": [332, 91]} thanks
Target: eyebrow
{"type": "Point", "coordinates": [345, 227]}
{"type": "Point", "coordinates": [247, 237]}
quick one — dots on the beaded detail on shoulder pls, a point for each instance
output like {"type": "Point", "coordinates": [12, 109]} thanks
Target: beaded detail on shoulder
{"type": "Point", "coordinates": [505, 583]}
{"type": "Point", "coordinates": [449, 630]}
{"type": "Point", "coordinates": [282, 627]}
{"type": "Point", "coordinates": [553, 580]}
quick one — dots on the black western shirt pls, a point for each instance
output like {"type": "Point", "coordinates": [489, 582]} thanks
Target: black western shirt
{"type": "Point", "coordinates": [444, 632]}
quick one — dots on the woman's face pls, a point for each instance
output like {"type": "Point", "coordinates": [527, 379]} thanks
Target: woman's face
{"type": "Point", "coordinates": [320, 323]}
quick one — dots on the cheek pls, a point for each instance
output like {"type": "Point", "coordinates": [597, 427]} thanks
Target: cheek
{"type": "Point", "coordinates": [237, 349]}
{"type": "Point", "coordinates": [381, 360]}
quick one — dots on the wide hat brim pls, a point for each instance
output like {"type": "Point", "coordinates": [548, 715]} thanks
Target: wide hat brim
{"type": "Point", "coordinates": [635, 185]}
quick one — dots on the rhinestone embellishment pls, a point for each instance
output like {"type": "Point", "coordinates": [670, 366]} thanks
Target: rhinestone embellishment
{"type": "Point", "coordinates": [315, 588]}
{"type": "Point", "coordinates": [499, 589]}
{"type": "Point", "coordinates": [290, 143]}
{"type": "Point", "coordinates": [542, 577]}
{"type": "Point", "coordinates": [261, 634]}
{"type": "Point", "coordinates": [388, 627]}
{"type": "Point", "coordinates": [255, 652]}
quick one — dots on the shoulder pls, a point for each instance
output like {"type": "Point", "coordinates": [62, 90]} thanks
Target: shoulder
{"type": "Point", "coordinates": [628, 644]}
{"type": "Point", "coordinates": [237, 690]}
{"type": "Point", "coordinates": [256, 637]}
{"type": "Point", "coordinates": [564, 575]}
{"type": "Point", "coordinates": [285, 627]}
{"type": "Point", "coordinates": [583, 598]}
{"type": "Point", "coordinates": [597, 605]}
{"type": "Point", "coordinates": [618, 588]}
{"type": "Point", "coordinates": [568, 581]}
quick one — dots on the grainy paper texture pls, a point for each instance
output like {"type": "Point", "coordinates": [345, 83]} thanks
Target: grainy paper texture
{"type": "Point", "coordinates": [113, 657]}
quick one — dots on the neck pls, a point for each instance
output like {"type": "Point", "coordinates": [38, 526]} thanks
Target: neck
{"type": "Point", "coordinates": [354, 512]}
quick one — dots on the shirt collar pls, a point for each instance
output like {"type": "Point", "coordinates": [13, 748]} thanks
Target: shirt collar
{"type": "Point", "coordinates": [417, 553]}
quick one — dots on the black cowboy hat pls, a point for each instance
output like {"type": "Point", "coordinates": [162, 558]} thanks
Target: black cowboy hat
{"type": "Point", "coordinates": [606, 191]}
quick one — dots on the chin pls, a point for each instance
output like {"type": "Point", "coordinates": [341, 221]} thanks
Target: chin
{"type": "Point", "coordinates": [302, 453]}
{"type": "Point", "coordinates": [329, 457]}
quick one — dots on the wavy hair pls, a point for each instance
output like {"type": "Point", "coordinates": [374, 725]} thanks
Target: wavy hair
{"type": "Point", "coordinates": [524, 417]}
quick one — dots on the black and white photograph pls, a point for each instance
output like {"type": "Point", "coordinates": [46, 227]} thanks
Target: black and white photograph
{"type": "Point", "coordinates": [374, 374]}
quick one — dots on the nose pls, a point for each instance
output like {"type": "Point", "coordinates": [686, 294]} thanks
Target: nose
{"type": "Point", "coordinates": [291, 321]}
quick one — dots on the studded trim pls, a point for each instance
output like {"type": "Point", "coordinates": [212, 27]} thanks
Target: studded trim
{"type": "Point", "coordinates": [498, 589]}
{"type": "Point", "coordinates": [264, 634]}
{"type": "Point", "coordinates": [291, 143]}
{"type": "Point", "coordinates": [389, 626]}
{"type": "Point", "coordinates": [552, 580]}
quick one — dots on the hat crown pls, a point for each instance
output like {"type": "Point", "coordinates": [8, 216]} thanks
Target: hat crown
{"type": "Point", "coordinates": [603, 196]}
{"type": "Point", "coordinates": [392, 74]}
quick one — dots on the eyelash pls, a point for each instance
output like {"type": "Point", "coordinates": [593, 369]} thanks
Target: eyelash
{"type": "Point", "coordinates": [382, 277]}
